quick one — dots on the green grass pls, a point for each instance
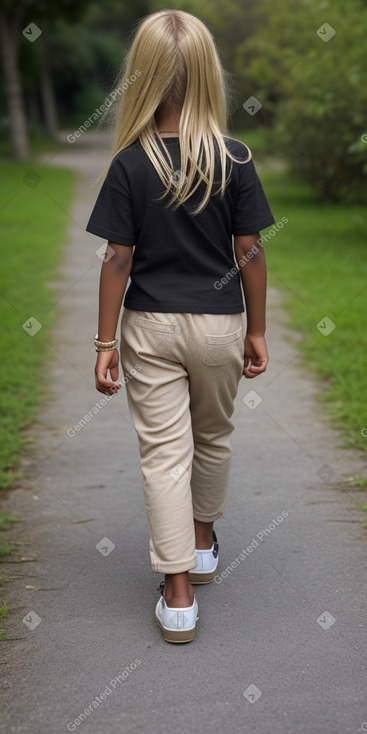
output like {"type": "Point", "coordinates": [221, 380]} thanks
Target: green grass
{"type": "Point", "coordinates": [318, 260]}
{"type": "Point", "coordinates": [34, 200]}
{"type": "Point", "coordinates": [360, 482]}
{"type": "Point", "coordinates": [3, 612]}
{"type": "Point", "coordinates": [5, 548]}
{"type": "Point", "coordinates": [5, 519]}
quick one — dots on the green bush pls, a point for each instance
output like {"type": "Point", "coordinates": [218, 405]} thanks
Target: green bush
{"type": "Point", "coordinates": [309, 77]}
{"type": "Point", "coordinates": [321, 124]}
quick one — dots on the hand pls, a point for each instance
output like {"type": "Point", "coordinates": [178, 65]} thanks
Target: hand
{"type": "Point", "coordinates": [107, 361]}
{"type": "Point", "coordinates": [256, 356]}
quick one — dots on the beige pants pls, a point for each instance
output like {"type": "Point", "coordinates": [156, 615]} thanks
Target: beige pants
{"type": "Point", "coordinates": [182, 373]}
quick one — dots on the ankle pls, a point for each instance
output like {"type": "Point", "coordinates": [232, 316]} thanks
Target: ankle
{"type": "Point", "coordinates": [178, 591]}
{"type": "Point", "coordinates": [185, 600]}
{"type": "Point", "coordinates": [203, 535]}
{"type": "Point", "coordinates": [204, 543]}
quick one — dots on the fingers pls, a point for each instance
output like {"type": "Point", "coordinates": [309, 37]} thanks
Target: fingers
{"type": "Point", "coordinates": [114, 372]}
{"type": "Point", "coordinates": [256, 356]}
{"type": "Point", "coordinates": [106, 386]}
{"type": "Point", "coordinates": [246, 369]}
{"type": "Point", "coordinates": [254, 368]}
{"type": "Point", "coordinates": [107, 362]}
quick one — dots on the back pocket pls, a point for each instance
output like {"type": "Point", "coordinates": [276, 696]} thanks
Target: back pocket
{"type": "Point", "coordinates": [221, 349]}
{"type": "Point", "coordinates": [155, 336]}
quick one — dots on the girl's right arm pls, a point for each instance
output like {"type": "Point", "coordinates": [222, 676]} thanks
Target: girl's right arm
{"type": "Point", "coordinates": [250, 258]}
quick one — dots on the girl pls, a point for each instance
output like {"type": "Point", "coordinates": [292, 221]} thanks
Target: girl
{"type": "Point", "coordinates": [177, 188]}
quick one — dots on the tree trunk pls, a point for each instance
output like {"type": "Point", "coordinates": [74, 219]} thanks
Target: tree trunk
{"type": "Point", "coordinates": [47, 92]}
{"type": "Point", "coordinates": [32, 108]}
{"type": "Point", "coordinates": [9, 42]}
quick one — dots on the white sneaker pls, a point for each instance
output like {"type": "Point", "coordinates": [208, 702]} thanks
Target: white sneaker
{"type": "Point", "coordinates": [178, 624]}
{"type": "Point", "coordinates": [207, 566]}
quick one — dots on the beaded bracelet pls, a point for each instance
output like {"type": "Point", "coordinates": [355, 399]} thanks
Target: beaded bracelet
{"type": "Point", "coordinates": [105, 346]}
{"type": "Point", "coordinates": [105, 349]}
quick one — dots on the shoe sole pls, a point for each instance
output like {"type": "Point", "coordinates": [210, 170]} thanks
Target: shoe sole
{"type": "Point", "coordinates": [202, 578]}
{"type": "Point", "coordinates": [176, 635]}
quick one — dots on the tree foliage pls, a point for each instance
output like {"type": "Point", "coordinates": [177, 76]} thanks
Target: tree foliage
{"type": "Point", "coordinates": [307, 69]}
{"type": "Point", "coordinates": [310, 84]}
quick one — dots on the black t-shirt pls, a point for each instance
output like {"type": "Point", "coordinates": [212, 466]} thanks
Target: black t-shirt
{"type": "Point", "coordinates": [181, 263]}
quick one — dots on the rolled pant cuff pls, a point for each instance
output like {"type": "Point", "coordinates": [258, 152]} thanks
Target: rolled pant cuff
{"type": "Point", "coordinates": [207, 518]}
{"type": "Point", "coordinates": [174, 567]}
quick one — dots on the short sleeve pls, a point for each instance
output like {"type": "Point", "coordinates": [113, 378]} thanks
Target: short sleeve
{"type": "Point", "coordinates": [112, 215]}
{"type": "Point", "coordinates": [252, 211]}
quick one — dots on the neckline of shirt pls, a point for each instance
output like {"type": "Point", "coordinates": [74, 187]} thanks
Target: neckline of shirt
{"type": "Point", "coordinates": [162, 137]}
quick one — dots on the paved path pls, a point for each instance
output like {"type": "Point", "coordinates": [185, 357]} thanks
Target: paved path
{"type": "Point", "coordinates": [279, 642]}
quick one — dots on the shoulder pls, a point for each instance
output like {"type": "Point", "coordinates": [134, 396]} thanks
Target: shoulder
{"type": "Point", "coordinates": [125, 162]}
{"type": "Point", "coordinates": [129, 154]}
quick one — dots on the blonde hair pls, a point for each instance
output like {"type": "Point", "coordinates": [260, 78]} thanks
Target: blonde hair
{"type": "Point", "coordinates": [173, 59]}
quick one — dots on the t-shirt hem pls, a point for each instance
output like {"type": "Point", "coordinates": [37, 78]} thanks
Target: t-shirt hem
{"type": "Point", "coordinates": [253, 228]}
{"type": "Point", "coordinates": [111, 236]}
{"type": "Point", "coordinates": [187, 308]}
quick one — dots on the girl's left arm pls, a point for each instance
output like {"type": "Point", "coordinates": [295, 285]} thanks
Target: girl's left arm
{"type": "Point", "coordinates": [115, 273]}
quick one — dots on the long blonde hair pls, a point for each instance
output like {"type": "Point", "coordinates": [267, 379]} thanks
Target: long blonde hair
{"type": "Point", "coordinates": [173, 58]}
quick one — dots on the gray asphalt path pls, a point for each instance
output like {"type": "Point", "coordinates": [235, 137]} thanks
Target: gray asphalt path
{"type": "Point", "coordinates": [279, 645]}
